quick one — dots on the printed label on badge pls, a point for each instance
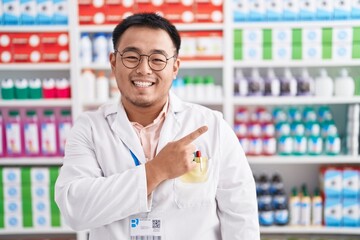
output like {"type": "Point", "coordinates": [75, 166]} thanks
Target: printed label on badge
{"type": "Point", "coordinates": [145, 227]}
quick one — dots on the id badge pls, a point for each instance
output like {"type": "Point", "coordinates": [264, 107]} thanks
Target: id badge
{"type": "Point", "coordinates": [146, 229]}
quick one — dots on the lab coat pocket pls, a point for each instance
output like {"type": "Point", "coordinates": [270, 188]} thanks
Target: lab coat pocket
{"type": "Point", "coordinates": [196, 187]}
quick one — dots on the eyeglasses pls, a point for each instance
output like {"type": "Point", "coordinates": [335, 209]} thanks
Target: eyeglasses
{"type": "Point", "coordinates": [156, 61]}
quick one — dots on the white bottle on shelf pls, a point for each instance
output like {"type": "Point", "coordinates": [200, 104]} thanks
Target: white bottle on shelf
{"type": "Point", "coordinates": [102, 87]}
{"type": "Point", "coordinates": [344, 84]}
{"type": "Point", "coordinates": [86, 51]}
{"type": "Point", "coordinates": [241, 83]}
{"type": "Point", "coordinates": [288, 84]}
{"type": "Point", "coordinates": [272, 84]}
{"type": "Point", "coordinates": [88, 85]}
{"type": "Point", "coordinates": [324, 86]}
{"type": "Point", "coordinates": [100, 48]}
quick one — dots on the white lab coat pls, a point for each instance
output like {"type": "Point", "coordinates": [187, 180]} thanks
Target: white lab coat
{"type": "Point", "coordinates": [100, 188]}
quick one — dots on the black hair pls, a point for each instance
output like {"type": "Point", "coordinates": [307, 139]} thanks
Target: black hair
{"type": "Point", "coordinates": [151, 20]}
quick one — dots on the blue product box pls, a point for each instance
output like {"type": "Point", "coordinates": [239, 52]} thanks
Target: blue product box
{"type": "Point", "coordinates": [355, 10]}
{"type": "Point", "coordinates": [60, 12]}
{"type": "Point", "coordinates": [257, 10]}
{"type": "Point", "coordinates": [333, 212]}
{"type": "Point", "coordinates": [44, 12]}
{"type": "Point", "coordinates": [273, 10]}
{"type": "Point", "coordinates": [351, 212]}
{"type": "Point", "coordinates": [307, 9]}
{"type": "Point", "coordinates": [11, 12]}
{"type": "Point", "coordinates": [27, 12]}
{"type": "Point", "coordinates": [342, 9]}
{"type": "Point", "coordinates": [351, 182]}
{"type": "Point", "coordinates": [241, 10]}
{"type": "Point", "coordinates": [324, 9]}
{"type": "Point", "coordinates": [290, 10]}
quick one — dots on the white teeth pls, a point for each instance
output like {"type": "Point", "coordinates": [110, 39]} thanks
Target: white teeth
{"type": "Point", "coordinates": [142, 84]}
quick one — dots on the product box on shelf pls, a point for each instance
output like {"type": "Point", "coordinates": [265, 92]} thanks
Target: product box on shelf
{"type": "Point", "coordinates": [290, 10]}
{"type": "Point", "coordinates": [177, 12]}
{"type": "Point", "coordinates": [342, 9]}
{"type": "Point", "coordinates": [55, 47]}
{"type": "Point", "coordinates": [257, 10]}
{"type": "Point", "coordinates": [6, 53]}
{"type": "Point", "coordinates": [351, 212]}
{"type": "Point", "coordinates": [26, 47]}
{"type": "Point", "coordinates": [28, 198]}
{"type": "Point", "coordinates": [324, 9]}
{"type": "Point", "coordinates": [91, 13]}
{"type": "Point", "coordinates": [60, 12]}
{"type": "Point", "coordinates": [274, 10]}
{"type": "Point", "coordinates": [28, 12]}
{"type": "Point", "coordinates": [11, 12]}
{"type": "Point", "coordinates": [45, 12]}
{"type": "Point", "coordinates": [241, 10]}
{"type": "Point", "coordinates": [209, 11]}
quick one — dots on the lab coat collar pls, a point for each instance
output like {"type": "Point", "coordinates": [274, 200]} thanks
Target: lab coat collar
{"type": "Point", "coordinates": [120, 124]}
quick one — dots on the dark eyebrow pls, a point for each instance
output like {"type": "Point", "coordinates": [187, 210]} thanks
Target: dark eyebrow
{"type": "Point", "coordinates": [151, 51]}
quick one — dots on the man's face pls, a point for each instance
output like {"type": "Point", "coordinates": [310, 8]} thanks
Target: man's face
{"type": "Point", "coordinates": [142, 86]}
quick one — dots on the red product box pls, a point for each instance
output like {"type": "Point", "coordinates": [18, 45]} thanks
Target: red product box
{"type": "Point", "coordinates": [90, 13]}
{"type": "Point", "coordinates": [148, 5]}
{"type": "Point", "coordinates": [55, 47]}
{"type": "Point", "coordinates": [178, 13]}
{"type": "Point", "coordinates": [209, 45]}
{"type": "Point", "coordinates": [209, 11]}
{"type": "Point", "coordinates": [117, 10]}
{"type": "Point", "coordinates": [26, 47]}
{"type": "Point", "coordinates": [6, 53]}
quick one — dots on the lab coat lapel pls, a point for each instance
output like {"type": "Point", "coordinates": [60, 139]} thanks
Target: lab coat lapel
{"type": "Point", "coordinates": [172, 126]}
{"type": "Point", "coordinates": [125, 131]}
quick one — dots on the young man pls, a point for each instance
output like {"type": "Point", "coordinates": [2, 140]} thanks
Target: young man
{"type": "Point", "coordinates": [129, 168]}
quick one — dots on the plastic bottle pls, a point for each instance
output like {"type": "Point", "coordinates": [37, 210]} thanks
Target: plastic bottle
{"type": "Point", "coordinates": [2, 136]}
{"type": "Point", "coordinates": [21, 88]}
{"type": "Point", "coordinates": [14, 134]}
{"type": "Point", "coordinates": [316, 209]}
{"type": "Point", "coordinates": [324, 85]}
{"type": "Point", "coordinates": [305, 84]}
{"type": "Point", "coordinates": [86, 49]}
{"type": "Point", "coordinates": [102, 87]}
{"type": "Point", "coordinates": [62, 86]}
{"type": "Point", "coordinates": [7, 89]}
{"type": "Point", "coordinates": [305, 207]}
{"type": "Point", "coordinates": [241, 83]}
{"type": "Point", "coordinates": [209, 87]}
{"type": "Point", "coordinates": [255, 84]}
{"type": "Point", "coordinates": [288, 84]}
{"type": "Point", "coordinates": [35, 88]}
{"type": "Point", "coordinates": [114, 90]}
{"type": "Point", "coordinates": [344, 84]}
{"type": "Point", "coordinates": [281, 215]}
{"type": "Point", "coordinates": [64, 127]}
{"type": "Point", "coordinates": [48, 134]}
{"type": "Point", "coordinates": [31, 134]}
{"type": "Point", "coordinates": [88, 79]}
{"type": "Point", "coordinates": [199, 88]}
{"type": "Point", "coordinates": [266, 215]}
{"type": "Point", "coordinates": [276, 184]}
{"type": "Point", "coordinates": [100, 48]}
{"type": "Point", "coordinates": [295, 207]}
{"type": "Point", "coordinates": [272, 84]}
{"type": "Point", "coordinates": [49, 89]}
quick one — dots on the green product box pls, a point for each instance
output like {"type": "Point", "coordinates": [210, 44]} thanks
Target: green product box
{"type": "Point", "coordinates": [356, 50]}
{"type": "Point", "coordinates": [327, 36]}
{"type": "Point", "coordinates": [267, 36]}
{"type": "Point", "coordinates": [327, 51]}
{"type": "Point", "coordinates": [238, 53]}
{"type": "Point", "coordinates": [356, 34]}
{"type": "Point", "coordinates": [296, 53]}
{"type": "Point", "coordinates": [267, 51]}
{"type": "Point", "coordinates": [238, 36]}
{"type": "Point", "coordinates": [296, 36]}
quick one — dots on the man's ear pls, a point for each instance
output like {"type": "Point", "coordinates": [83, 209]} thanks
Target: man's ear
{"type": "Point", "coordinates": [112, 59]}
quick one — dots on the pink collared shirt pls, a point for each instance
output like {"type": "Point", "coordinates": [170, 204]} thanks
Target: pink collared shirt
{"type": "Point", "coordinates": [149, 135]}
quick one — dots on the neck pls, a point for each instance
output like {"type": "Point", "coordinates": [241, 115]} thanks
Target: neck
{"type": "Point", "coordinates": [142, 115]}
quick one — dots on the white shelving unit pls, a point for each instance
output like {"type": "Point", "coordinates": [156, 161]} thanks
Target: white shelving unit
{"type": "Point", "coordinates": [294, 169]}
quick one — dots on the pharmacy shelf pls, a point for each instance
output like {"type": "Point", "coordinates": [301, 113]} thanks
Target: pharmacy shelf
{"type": "Point", "coordinates": [305, 159]}
{"type": "Point", "coordinates": [297, 24]}
{"type": "Point", "coordinates": [180, 27]}
{"type": "Point", "coordinates": [311, 230]}
{"type": "Point", "coordinates": [36, 103]}
{"type": "Point", "coordinates": [298, 100]}
{"type": "Point", "coordinates": [295, 63]}
{"type": "Point", "coordinates": [33, 231]}
{"type": "Point", "coordinates": [24, 161]}
{"type": "Point", "coordinates": [34, 28]}
{"type": "Point", "coordinates": [34, 66]}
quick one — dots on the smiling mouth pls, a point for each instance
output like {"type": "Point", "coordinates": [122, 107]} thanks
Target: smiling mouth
{"type": "Point", "coordinates": [143, 84]}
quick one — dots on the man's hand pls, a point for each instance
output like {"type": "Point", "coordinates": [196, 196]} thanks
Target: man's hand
{"type": "Point", "coordinates": [174, 160]}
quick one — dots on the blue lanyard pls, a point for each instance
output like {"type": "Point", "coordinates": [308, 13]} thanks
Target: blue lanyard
{"type": "Point", "coordinates": [136, 160]}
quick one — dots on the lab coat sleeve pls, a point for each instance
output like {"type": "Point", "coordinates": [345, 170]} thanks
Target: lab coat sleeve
{"type": "Point", "coordinates": [85, 197]}
{"type": "Point", "coordinates": [236, 191]}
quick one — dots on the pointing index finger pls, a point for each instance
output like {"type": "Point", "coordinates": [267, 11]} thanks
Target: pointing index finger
{"type": "Point", "coordinates": [194, 135]}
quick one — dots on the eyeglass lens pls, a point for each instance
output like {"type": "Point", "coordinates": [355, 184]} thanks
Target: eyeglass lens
{"type": "Point", "coordinates": [132, 59]}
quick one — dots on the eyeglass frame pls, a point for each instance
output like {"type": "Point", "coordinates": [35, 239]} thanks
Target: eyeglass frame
{"type": "Point", "coordinates": [144, 55]}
